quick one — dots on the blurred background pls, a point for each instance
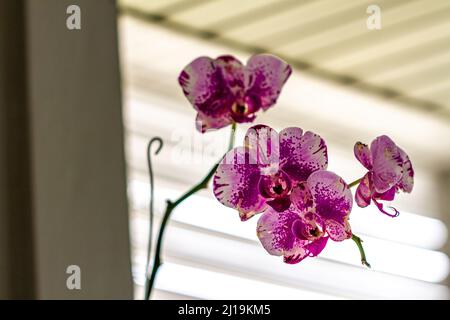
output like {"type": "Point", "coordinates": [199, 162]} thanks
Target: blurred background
{"type": "Point", "coordinates": [349, 83]}
{"type": "Point", "coordinates": [78, 106]}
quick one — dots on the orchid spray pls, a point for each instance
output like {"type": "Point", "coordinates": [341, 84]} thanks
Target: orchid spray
{"type": "Point", "coordinates": [281, 176]}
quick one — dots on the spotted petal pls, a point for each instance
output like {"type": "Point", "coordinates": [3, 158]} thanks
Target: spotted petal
{"type": "Point", "coordinates": [265, 76]}
{"type": "Point", "coordinates": [302, 154]}
{"type": "Point", "coordinates": [205, 123]}
{"type": "Point", "coordinates": [274, 232]}
{"type": "Point", "coordinates": [235, 183]}
{"type": "Point", "coordinates": [339, 231]}
{"type": "Point", "coordinates": [363, 192]}
{"type": "Point", "coordinates": [233, 74]}
{"type": "Point", "coordinates": [301, 197]}
{"type": "Point", "coordinates": [333, 203]}
{"type": "Point", "coordinates": [407, 181]}
{"type": "Point", "coordinates": [362, 153]}
{"type": "Point", "coordinates": [387, 163]}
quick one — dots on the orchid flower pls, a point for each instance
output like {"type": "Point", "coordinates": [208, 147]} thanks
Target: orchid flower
{"type": "Point", "coordinates": [320, 210]}
{"type": "Point", "coordinates": [224, 91]}
{"type": "Point", "coordinates": [267, 169]}
{"type": "Point", "coordinates": [390, 171]}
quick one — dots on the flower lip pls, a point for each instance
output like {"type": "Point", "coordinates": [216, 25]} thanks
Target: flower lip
{"type": "Point", "coordinates": [239, 108]}
{"type": "Point", "coordinates": [316, 232]}
{"type": "Point", "coordinates": [307, 229]}
{"type": "Point", "coordinates": [275, 186]}
{"type": "Point", "coordinates": [241, 112]}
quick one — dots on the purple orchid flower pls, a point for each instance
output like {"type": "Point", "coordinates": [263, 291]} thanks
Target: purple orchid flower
{"type": "Point", "coordinates": [320, 210]}
{"type": "Point", "coordinates": [224, 91]}
{"type": "Point", "coordinates": [265, 172]}
{"type": "Point", "coordinates": [390, 170]}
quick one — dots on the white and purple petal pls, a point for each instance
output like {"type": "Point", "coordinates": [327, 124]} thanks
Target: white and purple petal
{"type": "Point", "coordinates": [387, 164]}
{"type": "Point", "coordinates": [407, 181]}
{"type": "Point", "coordinates": [295, 255]}
{"type": "Point", "coordinates": [233, 74]}
{"type": "Point", "coordinates": [338, 231]}
{"type": "Point", "coordinates": [301, 197]}
{"type": "Point", "coordinates": [274, 232]}
{"type": "Point", "coordinates": [362, 153]}
{"type": "Point", "coordinates": [333, 203]}
{"type": "Point", "coordinates": [235, 183]}
{"type": "Point", "coordinates": [265, 76]}
{"type": "Point", "coordinates": [205, 123]}
{"type": "Point", "coordinates": [363, 193]}
{"type": "Point", "coordinates": [302, 153]}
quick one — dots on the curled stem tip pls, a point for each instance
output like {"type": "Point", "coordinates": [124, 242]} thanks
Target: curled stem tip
{"type": "Point", "coordinates": [152, 141]}
{"type": "Point", "coordinates": [160, 143]}
{"type": "Point", "coordinates": [358, 242]}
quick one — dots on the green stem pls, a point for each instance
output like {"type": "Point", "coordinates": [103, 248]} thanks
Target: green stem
{"type": "Point", "coordinates": [157, 262]}
{"type": "Point", "coordinates": [357, 239]}
{"type": "Point", "coordinates": [354, 183]}
{"type": "Point", "coordinates": [358, 242]}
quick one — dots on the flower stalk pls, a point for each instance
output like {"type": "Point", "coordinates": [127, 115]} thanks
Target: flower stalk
{"type": "Point", "coordinates": [357, 239]}
{"type": "Point", "coordinates": [171, 205]}
{"type": "Point", "coordinates": [358, 242]}
{"type": "Point", "coordinates": [354, 183]}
